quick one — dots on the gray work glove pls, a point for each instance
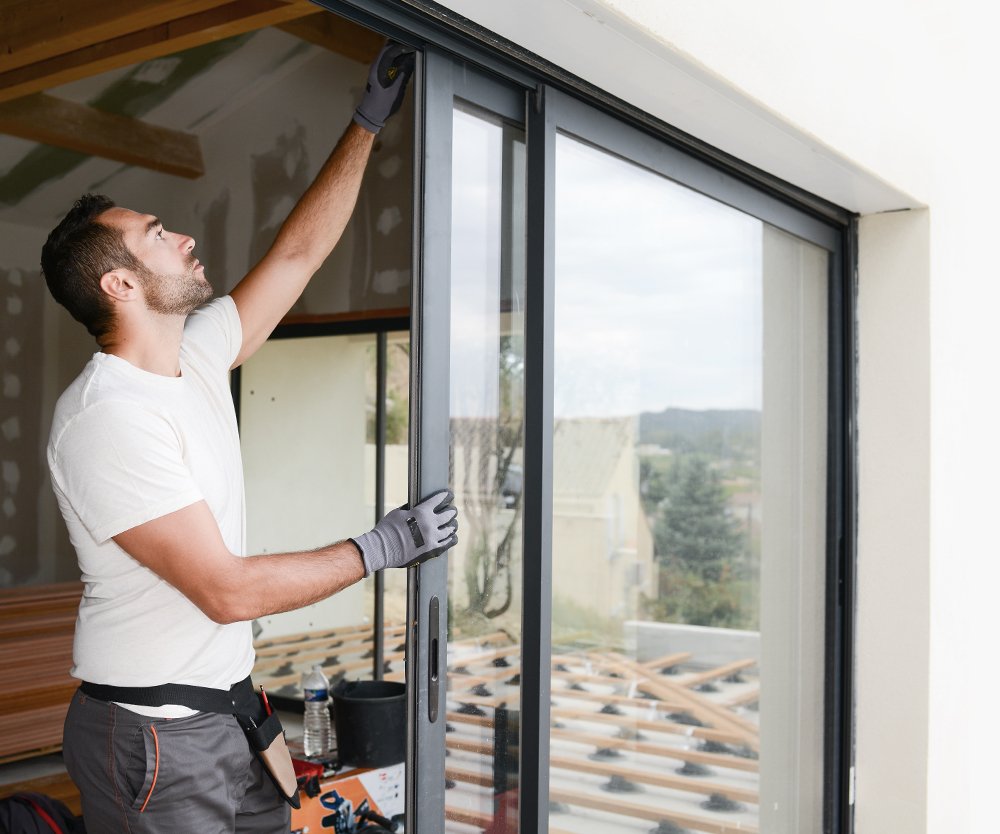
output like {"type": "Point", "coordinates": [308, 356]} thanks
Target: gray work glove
{"type": "Point", "coordinates": [407, 536]}
{"type": "Point", "coordinates": [387, 79]}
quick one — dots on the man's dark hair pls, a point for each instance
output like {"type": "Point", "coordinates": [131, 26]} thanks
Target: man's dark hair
{"type": "Point", "coordinates": [77, 253]}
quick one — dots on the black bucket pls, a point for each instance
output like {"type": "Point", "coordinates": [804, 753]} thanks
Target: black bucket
{"type": "Point", "coordinates": [370, 720]}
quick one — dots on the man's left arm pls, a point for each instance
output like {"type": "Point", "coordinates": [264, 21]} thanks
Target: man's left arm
{"type": "Point", "coordinates": [315, 225]}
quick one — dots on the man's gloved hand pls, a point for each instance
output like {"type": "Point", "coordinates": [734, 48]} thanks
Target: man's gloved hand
{"type": "Point", "coordinates": [387, 78]}
{"type": "Point", "coordinates": [409, 536]}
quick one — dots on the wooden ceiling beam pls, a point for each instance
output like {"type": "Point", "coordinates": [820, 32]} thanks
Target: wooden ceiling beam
{"type": "Point", "coordinates": [234, 18]}
{"type": "Point", "coordinates": [34, 30]}
{"type": "Point", "coordinates": [337, 35]}
{"type": "Point", "coordinates": [66, 124]}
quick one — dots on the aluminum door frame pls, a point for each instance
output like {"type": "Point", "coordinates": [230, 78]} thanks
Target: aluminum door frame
{"type": "Point", "coordinates": [441, 79]}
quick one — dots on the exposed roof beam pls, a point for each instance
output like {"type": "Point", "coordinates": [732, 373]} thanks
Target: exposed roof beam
{"type": "Point", "coordinates": [65, 124]}
{"type": "Point", "coordinates": [338, 35]}
{"type": "Point", "coordinates": [176, 35]}
{"type": "Point", "coordinates": [33, 30]}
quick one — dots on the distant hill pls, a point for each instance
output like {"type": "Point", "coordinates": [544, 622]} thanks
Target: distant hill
{"type": "Point", "coordinates": [714, 431]}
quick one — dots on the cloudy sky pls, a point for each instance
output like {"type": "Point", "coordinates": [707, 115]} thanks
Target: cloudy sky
{"type": "Point", "coordinates": [658, 292]}
{"type": "Point", "coordinates": [658, 288]}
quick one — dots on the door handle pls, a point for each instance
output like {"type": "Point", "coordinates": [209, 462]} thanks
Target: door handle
{"type": "Point", "coordinates": [433, 659]}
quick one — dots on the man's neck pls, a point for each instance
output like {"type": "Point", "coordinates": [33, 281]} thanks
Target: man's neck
{"type": "Point", "coordinates": [154, 345]}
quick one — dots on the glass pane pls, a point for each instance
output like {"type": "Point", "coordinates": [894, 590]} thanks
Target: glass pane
{"type": "Point", "coordinates": [397, 407]}
{"type": "Point", "coordinates": [309, 466]}
{"type": "Point", "coordinates": [688, 509]}
{"type": "Point", "coordinates": [487, 382]}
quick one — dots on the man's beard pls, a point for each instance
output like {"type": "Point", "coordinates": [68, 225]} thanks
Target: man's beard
{"type": "Point", "coordinates": [177, 294]}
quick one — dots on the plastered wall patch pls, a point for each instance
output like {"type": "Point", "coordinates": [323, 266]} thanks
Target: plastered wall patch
{"type": "Point", "coordinates": [11, 428]}
{"type": "Point", "coordinates": [279, 177]}
{"type": "Point", "coordinates": [390, 281]}
{"type": "Point", "coordinates": [215, 218]}
{"type": "Point", "coordinates": [390, 166]}
{"type": "Point", "coordinates": [156, 71]}
{"type": "Point", "coordinates": [23, 477]}
{"type": "Point", "coordinates": [11, 474]}
{"type": "Point", "coordinates": [388, 219]}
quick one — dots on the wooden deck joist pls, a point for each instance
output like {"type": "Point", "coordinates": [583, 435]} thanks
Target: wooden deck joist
{"type": "Point", "coordinates": [662, 750]}
{"type": "Point", "coordinates": [337, 641]}
{"type": "Point", "coordinates": [53, 67]}
{"type": "Point", "coordinates": [637, 810]}
{"type": "Point", "coordinates": [714, 674]}
{"type": "Point", "coordinates": [708, 712]}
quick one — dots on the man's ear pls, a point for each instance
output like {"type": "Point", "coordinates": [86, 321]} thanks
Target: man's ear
{"type": "Point", "coordinates": [121, 284]}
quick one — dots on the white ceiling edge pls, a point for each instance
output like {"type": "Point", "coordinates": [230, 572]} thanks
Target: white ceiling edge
{"type": "Point", "coordinates": [610, 51]}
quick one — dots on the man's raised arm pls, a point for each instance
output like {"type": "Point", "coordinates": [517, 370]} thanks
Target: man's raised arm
{"type": "Point", "coordinates": [319, 218]}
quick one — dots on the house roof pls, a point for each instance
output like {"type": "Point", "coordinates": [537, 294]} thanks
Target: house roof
{"type": "Point", "coordinates": [585, 452]}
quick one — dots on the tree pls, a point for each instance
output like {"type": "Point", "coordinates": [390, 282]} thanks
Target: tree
{"type": "Point", "coordinates": [694, 531]}
{"type": "Point", "coordinates": [698, 548]}
{"type": "Point", "coordinates": [491, 489]}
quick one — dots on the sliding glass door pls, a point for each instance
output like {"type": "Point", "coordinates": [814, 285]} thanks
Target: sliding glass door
{"type": "Point", "coordinates": [634, 357]}
{"type": "Point", "coordinates": [466, 700]}
{"type": "Point", "coordinates": [689, 499]}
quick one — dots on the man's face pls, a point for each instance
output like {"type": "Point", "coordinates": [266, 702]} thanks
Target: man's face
{"type": "Point", "coordinates": [173, 281]}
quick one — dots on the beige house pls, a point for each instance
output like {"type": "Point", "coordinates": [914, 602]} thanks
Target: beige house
{"type": "Point", "coordinates": [602, 545]}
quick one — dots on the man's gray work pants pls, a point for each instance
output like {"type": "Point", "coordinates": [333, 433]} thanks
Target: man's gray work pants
{"type": "Point", "coordinates": [167, 775]}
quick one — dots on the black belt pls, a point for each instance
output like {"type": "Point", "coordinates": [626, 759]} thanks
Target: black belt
{"type": "Point", "coordinates": [238, 699]}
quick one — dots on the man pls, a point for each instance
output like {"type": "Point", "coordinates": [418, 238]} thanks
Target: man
{"type": "Point", "coordinates": [145, 463]}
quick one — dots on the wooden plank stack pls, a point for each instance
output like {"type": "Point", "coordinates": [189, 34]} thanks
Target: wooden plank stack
{"type": "Point", "coordinates": [36, 652]}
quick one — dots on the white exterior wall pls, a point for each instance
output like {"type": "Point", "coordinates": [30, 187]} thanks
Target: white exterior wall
{"type": "Point", "coordinates": [877, 106]}
{"type": "Point", "coordinates": [893, 624]}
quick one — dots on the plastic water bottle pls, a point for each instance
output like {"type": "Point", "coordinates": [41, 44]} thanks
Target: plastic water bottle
{"type": "Point", "coordinates": [316, 739]}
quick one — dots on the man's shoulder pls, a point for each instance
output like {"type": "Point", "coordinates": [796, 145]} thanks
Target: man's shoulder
{"type": "Point", "coordinates": [213, 330]}
{"type": "Point", "coordinates": [100, 392]}
{"type": "Point", "coordinates": [219, 313]}
{"type": "Point", "coordinates": [78, 393]}
{"type": "Point", "coordinates": [215, 309]}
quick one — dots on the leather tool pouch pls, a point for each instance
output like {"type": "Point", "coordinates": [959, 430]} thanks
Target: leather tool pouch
{"type": "Point", "coordinates": [268, 742]}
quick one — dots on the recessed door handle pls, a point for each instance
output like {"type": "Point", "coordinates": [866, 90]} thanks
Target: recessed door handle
{"type": "Point", "coordinates": [433, 659]}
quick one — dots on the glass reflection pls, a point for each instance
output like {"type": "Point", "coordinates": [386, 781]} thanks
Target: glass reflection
{"type": "Point", "coordinates": [487, 380]}
{"type": "Point", "coordinates": [395, 483]}
{"type": "Point", "coordinates": [689, 405]}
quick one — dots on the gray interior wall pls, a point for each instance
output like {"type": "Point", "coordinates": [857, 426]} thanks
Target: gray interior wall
{"type": "Point", "coordinates": [39, 346]}
{"type": "Point", "coordinates": [20, 345]}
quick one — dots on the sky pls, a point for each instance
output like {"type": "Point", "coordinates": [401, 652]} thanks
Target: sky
{"type": "Point", "coordinates": [658, 289]}
{"type": "Point", "coordinates": [658, 292]}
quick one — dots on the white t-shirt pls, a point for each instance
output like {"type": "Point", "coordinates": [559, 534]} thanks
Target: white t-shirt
{"type": "Point", "coordinates": [128, 446]}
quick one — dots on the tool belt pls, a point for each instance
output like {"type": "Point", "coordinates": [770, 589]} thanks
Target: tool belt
{"type": "Point", "coordinates": [261, 725]}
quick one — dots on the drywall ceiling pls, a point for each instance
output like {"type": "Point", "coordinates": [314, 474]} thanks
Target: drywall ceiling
{"type": "Point", "coordinates": [199, 60]}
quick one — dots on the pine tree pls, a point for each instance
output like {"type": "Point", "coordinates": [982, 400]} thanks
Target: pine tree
{"type": "Point", "coordinates": [693, 532]}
